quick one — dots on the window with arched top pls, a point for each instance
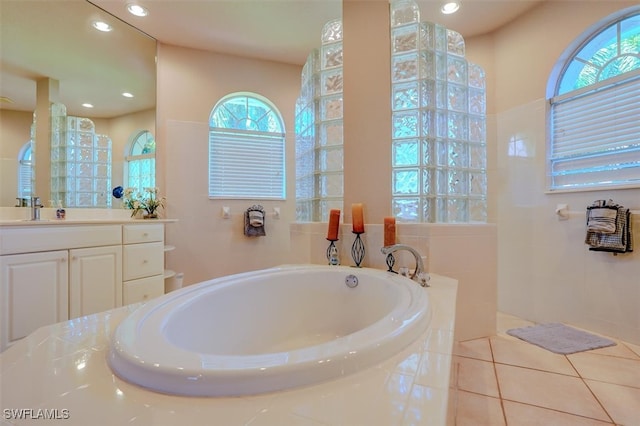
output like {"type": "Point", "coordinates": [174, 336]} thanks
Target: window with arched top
{"type": "Point", "coordinates": [25, 170]}
{"type": "Point", "coordinates": [246, 149]}
{"type": "Point", "coordinates": [141, 161]}
{"type": "Point", "coordinates": [594, 97]}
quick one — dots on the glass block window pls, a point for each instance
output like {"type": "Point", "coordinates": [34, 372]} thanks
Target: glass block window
{"type": "Point", "coordinates": [318, 128]}
{"type": "Point", "coordinates": [25, 170]}
{"type": "Point", "coordinates": [141, 162]}
{"type": "Point", "coordinates": [80, 161]}
{"type": "Point", "coordinates": [438, 107]}
{"type": "Point", "coordinates": [246, 149]}
{"type": "Point", "coordinates": [438, 140]}
{"type": "Point", "coordinates": [594, 109]}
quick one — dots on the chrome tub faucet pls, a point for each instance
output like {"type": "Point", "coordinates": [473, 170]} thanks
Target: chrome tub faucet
{"type": "Point", "coordinates": [419, 274]}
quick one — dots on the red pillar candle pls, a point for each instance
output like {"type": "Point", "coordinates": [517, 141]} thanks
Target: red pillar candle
{"type": "Point", "coordinates": [334, 223]}
{"type": "Point", "coordinates": [389, 231]}
{"type": "Point", "coordinates": [357, 218]}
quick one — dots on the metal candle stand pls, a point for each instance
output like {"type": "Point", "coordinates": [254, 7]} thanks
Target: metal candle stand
{"type": "Point", "coordinates": [390, 262]}
{"type": "Point", "coordinates": [357, 249]}
{"type": "Point", "coordinates": [332, 247]}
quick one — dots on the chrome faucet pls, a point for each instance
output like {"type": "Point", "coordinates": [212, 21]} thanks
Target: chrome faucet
{"type": "Point", "coordinates": [419, 273]}
{"type": "Point", "coordinates": [35, 208]}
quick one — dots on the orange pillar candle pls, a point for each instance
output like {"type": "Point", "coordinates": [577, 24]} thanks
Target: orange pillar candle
{"type": "Point", "coordinates": [389, 231]}
{"type": "Point", "coordinates": [334, 223]}
{"type": "Point", "coordinates": [357, 218]}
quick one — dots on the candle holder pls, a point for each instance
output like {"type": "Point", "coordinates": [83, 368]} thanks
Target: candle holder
{"type": "Point", "coordinates": [357, 249]}
{"type": "Point", "coordinates": [390, 262]}
{"type": "Point", "coordinates": [332, 252]}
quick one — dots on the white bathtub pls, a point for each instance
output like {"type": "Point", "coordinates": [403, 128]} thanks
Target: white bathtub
{"type": "Point", "coordinates": [268, 330]}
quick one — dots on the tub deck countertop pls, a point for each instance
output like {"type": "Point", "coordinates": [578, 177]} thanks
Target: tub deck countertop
{"type": "Point", "coordinates": [61, 371]}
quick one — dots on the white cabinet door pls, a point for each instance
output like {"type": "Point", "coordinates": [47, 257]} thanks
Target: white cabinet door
{"type": "Point", "coordinates": [33, 293]}
{"type": "Point", "coordinates": [95, 280]}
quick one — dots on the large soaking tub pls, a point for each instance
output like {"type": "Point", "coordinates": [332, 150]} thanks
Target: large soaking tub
{"type": "Point", "coordinates": [268, 330]}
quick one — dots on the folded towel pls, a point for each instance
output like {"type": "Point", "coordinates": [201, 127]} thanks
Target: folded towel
{"type": "Point", "coordinates": [621, 240]}
{"type": "Point", "coordinates": [602, 219]}
{"type": "Point", "coordinates": [256, 218]}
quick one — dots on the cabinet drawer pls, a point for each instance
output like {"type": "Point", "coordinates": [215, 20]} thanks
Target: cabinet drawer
{"type": "Point", "coordinates": [143, 289]}
{"type": "Point", "coordinates": [57, 237]}
{"type": "Point", "coordinates": [133, 234]}
{"type": "Point", "coordinates": [142, 260]}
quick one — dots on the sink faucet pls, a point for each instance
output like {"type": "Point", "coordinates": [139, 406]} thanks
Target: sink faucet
{"type": "Point", "coordinates": [35, 208]}
{"type": "Point", "coordinates": [419, 274]}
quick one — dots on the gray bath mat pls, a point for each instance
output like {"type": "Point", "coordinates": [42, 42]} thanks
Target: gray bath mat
{"type": "Point", "coordinates": [560, 338]}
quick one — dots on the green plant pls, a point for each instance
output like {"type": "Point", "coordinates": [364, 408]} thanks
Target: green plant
{"type": "Point", "coordinates": [147, 200]}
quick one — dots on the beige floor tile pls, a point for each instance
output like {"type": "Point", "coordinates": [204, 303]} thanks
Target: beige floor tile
{"type": "Point", "coordinates": [621, 402]}
{"type": "Point", "coordinates": [634, 348]}
{"type": "Point", "coordinates": [476, 376]}
{"type": "Point", "coordinates": [478, 410]}
{"type": "Point", "coordinates": [620, 350]}
{"type": "Point", "coordinates": [505, 322]}
{"type": "Point", "coordinates": [531, 356]}
{"type": "Point", "coordinates": [477, 349]}
{"type": "Point", "coordinates": [608, 369]}
{"type": "Point", "coordinates": [528, 415]}
{"type": "Point", "coordinates": [548, 390]}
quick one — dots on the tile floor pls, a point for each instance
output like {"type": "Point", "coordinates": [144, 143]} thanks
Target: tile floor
{"type": "Point", "coordinates": [502, 380]}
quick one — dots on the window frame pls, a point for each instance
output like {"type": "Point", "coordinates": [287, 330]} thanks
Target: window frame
{"type": "Point", "coordinates": [131, 157]}
{"type": "Point", "coordinates": [556, 100]}
{"type": "Point", "coordinates": [257, 144]}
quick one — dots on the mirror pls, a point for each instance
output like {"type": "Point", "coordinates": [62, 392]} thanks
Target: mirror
{"type": "Point", "coordinates": [55, 41]}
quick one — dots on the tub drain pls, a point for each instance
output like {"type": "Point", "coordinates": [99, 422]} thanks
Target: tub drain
{"type": "Point", "coordinates": [351, 281]}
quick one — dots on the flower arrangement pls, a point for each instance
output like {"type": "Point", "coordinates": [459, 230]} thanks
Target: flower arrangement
{"type": "Point", "coordinates": [147, 201]}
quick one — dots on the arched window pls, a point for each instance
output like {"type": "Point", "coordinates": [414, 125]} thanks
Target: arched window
{"type": "Point", "coordinates": [25, 170]}
{"type": "Point", "coordinates": [594, 96]}
{"type": "Point", "coordinates": [141, 161]}
{"type": "Point", "coordinates": [246, 149]}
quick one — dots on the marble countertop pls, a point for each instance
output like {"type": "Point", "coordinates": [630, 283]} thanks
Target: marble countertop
{"type": "Point", "coordinates": [61, 370]}
{"type": "Point", "coordinates": [20, 216]}
{"type": "Point", "coordinates": [86, 221]}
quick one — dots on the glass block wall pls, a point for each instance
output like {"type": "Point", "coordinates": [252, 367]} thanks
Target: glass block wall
{"type": "Point", "coordinates": [80, 161]}
{"type": "Point", "coordinates": [438, 108]}
{"type": "Point", "coordinates": [318, 126]}
{"type": "Point", "coordinates": [438, 141]}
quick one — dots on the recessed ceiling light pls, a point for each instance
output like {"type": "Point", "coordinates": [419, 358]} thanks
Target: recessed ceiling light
{"type": "Point", "coordinates": [102, 26]}
{"type": "Point", "coordinates": [450, 7]}
{"type": "Point", "coordinates": [127, 95]}
{"type": "Point", "coordinates": [137, 10]}
{"type": "Point", "coordinates": [87, 105]}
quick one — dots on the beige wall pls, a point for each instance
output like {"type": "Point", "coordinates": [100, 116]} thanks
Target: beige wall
{"type": "Point", "coordinates": [14, 133]}
{"type": "Point", "coordinates": [367, 121]}
{"type": "Point", "coordinates": [546, 272]}
{"type": "Point", "coordinates": [190, 83]}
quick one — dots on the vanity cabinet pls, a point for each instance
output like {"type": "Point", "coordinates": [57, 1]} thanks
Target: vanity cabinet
{"type": "Point", "coordinates": [55, 272]}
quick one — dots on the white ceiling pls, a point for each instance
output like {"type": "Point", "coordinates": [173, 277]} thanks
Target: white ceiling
{"type": "Point", "coordinates": [279, 30]}
{"type": "Point", "coordinates": [285, 30]}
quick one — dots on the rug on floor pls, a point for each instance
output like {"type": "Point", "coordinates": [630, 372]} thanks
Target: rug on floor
{"type": "Point", "coordinates": [560, 338]}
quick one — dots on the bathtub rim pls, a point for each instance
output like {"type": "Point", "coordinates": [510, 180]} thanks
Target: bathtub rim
{"type": "Point", "coordinates": [202, 375]}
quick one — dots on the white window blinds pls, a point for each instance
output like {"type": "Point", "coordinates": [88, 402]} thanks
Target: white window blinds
{"type": "Point", "coordinates": [596, 137]}
{"type": "Point", "coordinates": [246, 165]}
